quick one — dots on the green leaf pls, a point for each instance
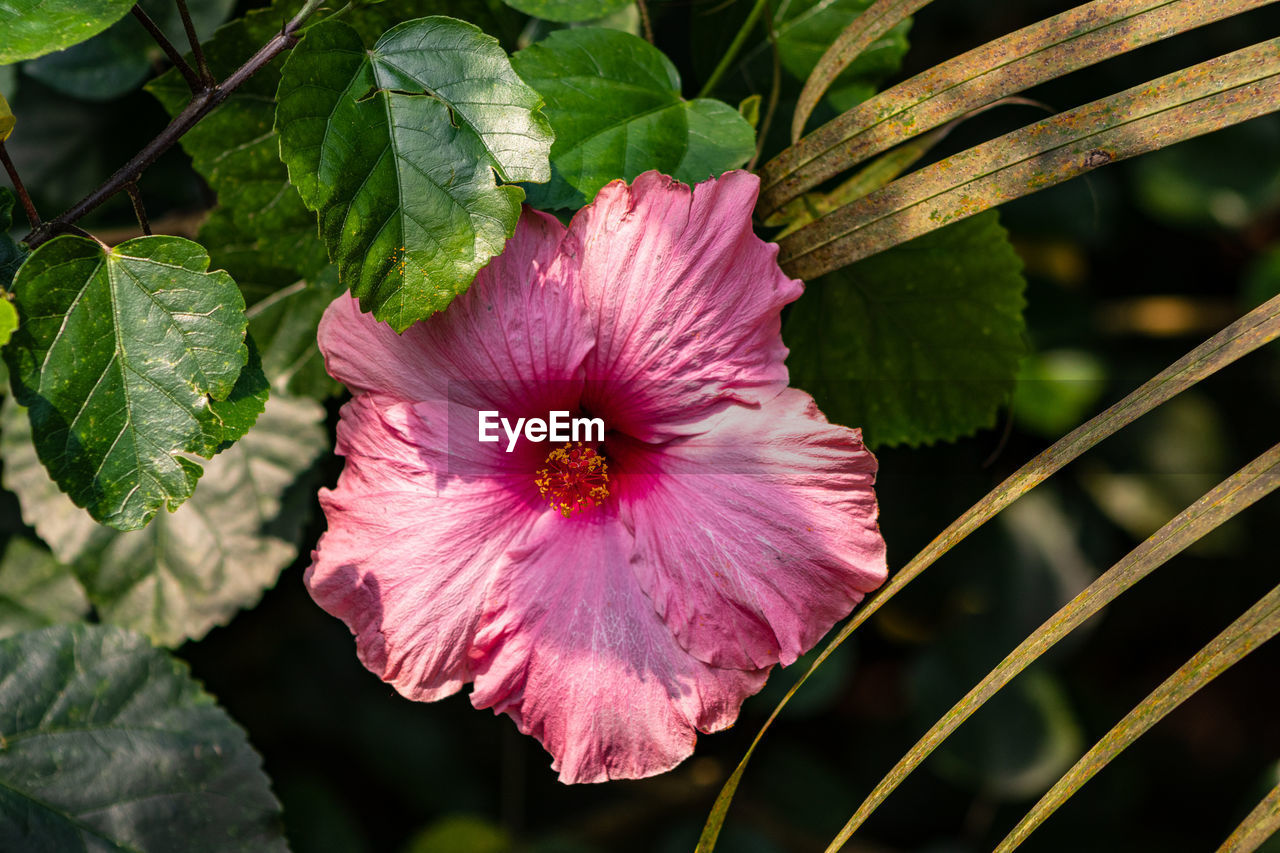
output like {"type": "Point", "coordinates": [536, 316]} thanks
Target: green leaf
{"type": "Point", "coordinates": [35, 27]}
{"type": "Point", "coordinates": [109, 744]}
{"type": "Point", "coordinates": [397, 148]}
{"type": "Point", "coordinates": [118, 60]}
{"type": "Point", "coordinates": [11, 254]}
{"type": "Point", "coordinates": [568, 11]}
{"type": "Point", "coordinates": [195, 568]}
{"type": "Point", "coordinates": [917, 344]}
{"type": "Point", "coordinates": [614, 102]}
{"type": "Point", "coordinates": [119, 355]}
{"type": "Point", "coordinates": [36, 590]}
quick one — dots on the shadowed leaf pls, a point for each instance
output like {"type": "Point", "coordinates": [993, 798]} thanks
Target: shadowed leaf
{"type": "Point", "coordinates": [109, 744]}
{"type": "Point", "coordinates": [194, 568]}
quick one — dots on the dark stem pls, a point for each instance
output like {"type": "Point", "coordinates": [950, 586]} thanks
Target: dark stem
{"type": "Point", "coordinates": [138, 210]}
{"type": "Point", "coordinates": [27, 206]}
{"type": "Point", "coordinates": [767, 121]}
{"type": "Point", "coordinates": [169, 50]}
{"type": "Point", "coordinates": [201, 105]}
{"type": "Point", "coordinates": [205, 75]}
{"type": "Point", "coordinates": [645, 24]}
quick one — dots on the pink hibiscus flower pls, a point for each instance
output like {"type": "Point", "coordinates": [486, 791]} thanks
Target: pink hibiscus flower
{"type": "Point", "coordinates": [613, 597]}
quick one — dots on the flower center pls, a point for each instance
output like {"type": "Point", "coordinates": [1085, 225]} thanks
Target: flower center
{"type": "Point", "coordinates": [574, 477]}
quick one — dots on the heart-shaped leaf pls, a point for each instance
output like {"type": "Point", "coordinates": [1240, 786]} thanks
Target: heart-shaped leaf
{"type": "Point", "coordinates": [614, 102]}
{"type": "Point", "coordinates": [396, 149]}
{"type": "Point", "coordinates": [121, 357]}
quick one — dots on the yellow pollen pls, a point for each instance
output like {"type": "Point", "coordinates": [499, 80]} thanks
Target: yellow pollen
{"type": "Point", "coordinates": [574, 478]}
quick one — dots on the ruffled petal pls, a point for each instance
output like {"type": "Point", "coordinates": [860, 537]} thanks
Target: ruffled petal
{"type": "Point", "coordinates": [754, 537]}
{"type": "Point", "coordinates": [411, 546]}
{"type": "Point", "coordinates": [514, 342]}
{"type": "Point", "coordinates": [685, 299]}
{"type": "Point", "coordinates": [572, 650]}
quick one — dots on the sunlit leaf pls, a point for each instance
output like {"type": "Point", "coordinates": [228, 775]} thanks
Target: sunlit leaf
{"type": "Point", "coordinates": [120, 353]}
{"type": "Point", "coordinates": [397, 149]}
{"type": "Point", "coordinates": [35, 27]}
{"type": "Point", "coordinates": [917, 344]}
{"type": "Point", "coordinates": [36, 590]}
{"type": "Point", "coordinates": [614, 102]}
{"type": "Point", "coordinates": [109, 744]}
{"type": "Point", "coordinates": [1043, 51]}
{"type": "Point", "coordinates": [1206, 97]}
{"type": "Point", "coordinates": [195, 568]}
{"type": "Point", "coordinates": [1259, 327]}
{"type": "Point", "coordinates": [1258, 625]}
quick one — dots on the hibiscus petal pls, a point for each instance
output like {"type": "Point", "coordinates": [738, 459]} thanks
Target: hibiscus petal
{"type": "Point", "coordinates": [685, 299]}
{"type": "Point", "coordinates": [572, 649]}
{"type": "Point", "coordinates": [757, 535]}
{"type": "Point", "coordinates": [513, 342]}
{"type": "Point", "coordinates": [411, 548]}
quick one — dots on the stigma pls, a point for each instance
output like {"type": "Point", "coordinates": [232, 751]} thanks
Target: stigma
{"type": "Point", "coordinates": [573, 478]}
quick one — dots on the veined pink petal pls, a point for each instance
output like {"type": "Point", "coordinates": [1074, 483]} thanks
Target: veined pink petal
{"type": "Point", "coordinates": [572, 649]}
{"type": "Point", "coordinates": [513, 342]}
{"type": "Point", "coordinates": [685, 299]}
{"type": "Point", "coordinates": [755, 536]}
{"type": "Point", "coordinates": [412, 548]}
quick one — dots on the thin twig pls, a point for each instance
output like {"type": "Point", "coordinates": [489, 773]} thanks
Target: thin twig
{"type": "Point", "coordinates": [138, 210]}
{"type": "Point", "coordinates": [775, 88]}
{"type": "Point", "coordinates": [645, 25]}
{"type": "Point", "coordinates": [201, 105]}
{"type": "Point", "coordinates": [170, 51]}
{"type": "Point", "coordinates": [27, 205]}
{"type": "Point", "coordinates": [202, 65]}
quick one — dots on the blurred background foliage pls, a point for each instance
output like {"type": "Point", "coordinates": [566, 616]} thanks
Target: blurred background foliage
{"type": "Point", "coordinates": [1126, 270]}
